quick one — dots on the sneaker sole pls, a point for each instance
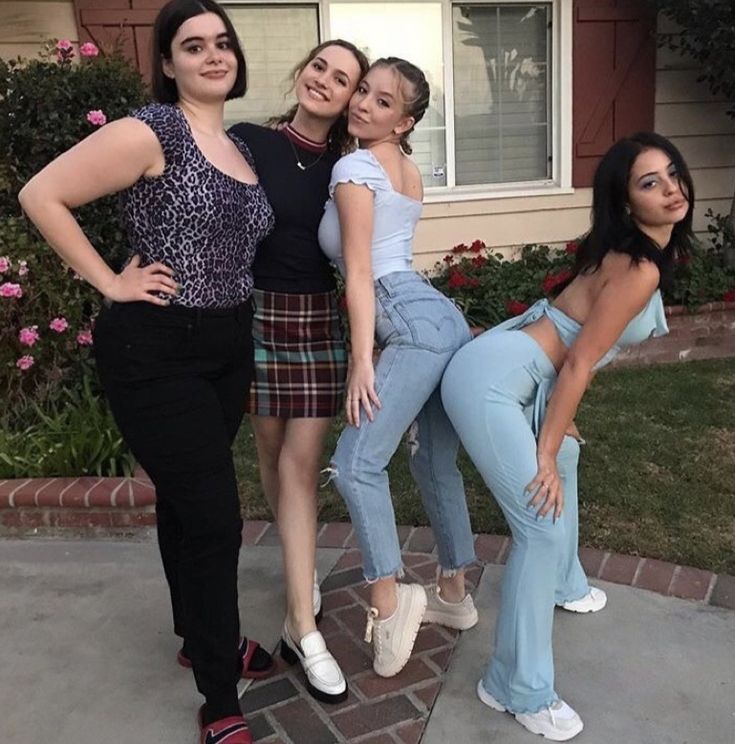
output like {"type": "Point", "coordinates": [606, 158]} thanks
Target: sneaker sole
{"type": "Point", "coordinates": [450, 621]}
{"type": "Point", "coordinates": [403, 660]}
{"type": "Point", "coordinates": [584, 611]}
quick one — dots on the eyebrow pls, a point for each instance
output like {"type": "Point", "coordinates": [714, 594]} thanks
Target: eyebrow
{"type": "Point", "coordinates": [326, 64]}
{"type": "Point", "coordinates": [201, 38]}
{"type": "Point", "coordinates": [655, 173]}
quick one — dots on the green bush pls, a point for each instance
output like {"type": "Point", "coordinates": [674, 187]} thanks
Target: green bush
{"type": "Point", "coordinates": [53, 417]}
{"type": "Point", "coordinates": [490, 288]}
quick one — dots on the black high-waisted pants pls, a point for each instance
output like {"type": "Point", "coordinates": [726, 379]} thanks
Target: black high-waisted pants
{"type": "Point", "coordinates": [177, 380]}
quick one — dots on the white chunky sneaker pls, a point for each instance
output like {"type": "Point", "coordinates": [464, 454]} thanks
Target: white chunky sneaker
{"type": "Point", "coordinates": [558, 722]}
{"type": "Point", "coordinates": [316, 599]}
{"type": "Point", "coordinates": [324, 678]}
{"type": "Point", "coordinates": [593, 601]}
{"type": "Point", "coordinates": [458, 615]}
{"type": "Point", "coordinates": [393, 637]}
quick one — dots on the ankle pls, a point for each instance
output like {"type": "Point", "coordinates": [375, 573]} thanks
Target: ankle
{"type": "Point", "coordinates": [298, 626]}
{"type": "Point", "coordinates": [385, 600]}
{"type": "Point", "coordinates": [452, 588]}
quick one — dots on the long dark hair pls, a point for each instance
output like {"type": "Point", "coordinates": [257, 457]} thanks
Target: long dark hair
{"type": "Point", "coordinates": [339, 139]}
{"type": "Point", "coordinates": [613, 228]}
{"type": "Point", "coordinates": [414, 103]}
{"type": "Point", "coordinates": [168, 21]}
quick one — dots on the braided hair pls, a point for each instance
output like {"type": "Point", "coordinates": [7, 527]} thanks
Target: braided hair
{"type": "Point", "coordinates": [415, 91]}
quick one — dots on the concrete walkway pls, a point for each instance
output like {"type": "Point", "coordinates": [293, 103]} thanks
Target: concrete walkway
{"type": "Point", "coordinates": [87, 657]}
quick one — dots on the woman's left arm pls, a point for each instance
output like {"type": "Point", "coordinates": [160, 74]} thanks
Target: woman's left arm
{"type": "Point", "coordinates": [619, 301]}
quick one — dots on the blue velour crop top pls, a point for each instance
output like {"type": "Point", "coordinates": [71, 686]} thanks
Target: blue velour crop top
{"type": "Point", "coordinates": [394, 219]}
{"type": "Point", "coordinates": [650, 322]}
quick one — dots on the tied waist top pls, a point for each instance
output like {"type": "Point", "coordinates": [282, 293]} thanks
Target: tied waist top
{"type": "Point", "coordinates": [649, 323]}
{"type": "Point", "coordinates": [395, 216]}
{"type": "Point", "coordinates": [194, 218]}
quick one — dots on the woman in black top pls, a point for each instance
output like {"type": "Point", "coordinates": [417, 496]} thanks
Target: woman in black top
{"type": "Point", "coordinates": [174, 349]}
{"type": "Point", "coordinates": [300, 359]}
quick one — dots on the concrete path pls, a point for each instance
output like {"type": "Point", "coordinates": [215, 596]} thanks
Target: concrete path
{"type": "Point", "coordinates": [87, 658]}
{"type": "Point", "coordinates": [646, 670]}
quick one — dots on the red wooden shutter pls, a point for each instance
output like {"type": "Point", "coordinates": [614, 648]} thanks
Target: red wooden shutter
{"type": "Point", "coordinates": [614, 71]}
{"type": "Point", "coordinates": [124, 23]}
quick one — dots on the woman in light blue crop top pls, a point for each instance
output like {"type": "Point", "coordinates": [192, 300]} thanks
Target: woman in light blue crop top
{"type": "Point", "coordinates": [512, 394]}
{"type": "Point", "coordinates": [368, 231]}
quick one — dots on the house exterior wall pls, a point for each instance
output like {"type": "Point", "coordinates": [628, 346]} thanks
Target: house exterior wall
{"type": "Point", "coordinates": [685, 111]}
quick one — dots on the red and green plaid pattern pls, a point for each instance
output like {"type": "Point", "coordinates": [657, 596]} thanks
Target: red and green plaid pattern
{"type": "Point", "coordinates": [300, 356]}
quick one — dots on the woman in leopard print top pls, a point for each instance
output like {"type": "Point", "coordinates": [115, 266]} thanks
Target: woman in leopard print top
{"type": "Point", "coordinates": [174, 348]}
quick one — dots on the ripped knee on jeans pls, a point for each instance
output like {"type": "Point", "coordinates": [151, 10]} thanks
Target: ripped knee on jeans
{"type": "Point", "coordinates": [331, 472]}
{"type": "Point", "coordinates": [413, 439]}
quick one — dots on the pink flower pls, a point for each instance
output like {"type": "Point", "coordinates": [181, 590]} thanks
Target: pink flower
{"type": "Point", "coordinates": [22, 268]}
{"type": "Point", "coordinates": [4, 264]}
{"type": "Point", "coordinates": [89, 50]}
{"type": "Point", "coordinates": [59, 325]}
{"type": "Point", "coordinates": [28, 336]}
{"type": "Point", "coordinates": [25, 362]}
{"type": "Point", "coordinates": [96, 117]}
{"type": "Point", "coordinates": [84, 337]}
{"type": "Point", "coordinates": [9, 289]}
{"type": "Point", "coordinates": [64, 45]}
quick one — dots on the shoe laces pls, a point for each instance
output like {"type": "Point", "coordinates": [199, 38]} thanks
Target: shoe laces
{"type": "Point", "coordinates": [371, 617]}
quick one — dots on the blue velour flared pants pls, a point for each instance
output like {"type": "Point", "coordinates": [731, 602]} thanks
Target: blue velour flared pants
{"type": "Point", "coordinates": [495, 391]}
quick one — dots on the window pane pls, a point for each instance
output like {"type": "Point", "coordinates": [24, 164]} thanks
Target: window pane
{"type": "Point", "coordinates": [412, 31]}
{"type": "Point", "coordinates": [501, 101]}
{"type": "Point", "coordinates": [274, 38]}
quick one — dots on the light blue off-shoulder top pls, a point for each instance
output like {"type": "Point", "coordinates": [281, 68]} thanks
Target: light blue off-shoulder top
{"type": "Point", "coordinates": [394, 222]}
{"type": "Point", "coordinates": [650, 322]}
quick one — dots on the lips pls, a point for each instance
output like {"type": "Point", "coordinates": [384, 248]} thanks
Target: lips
{"type": "Point", "coordinates": [356, 118]}
{"type": "Point", "coordinates": [314, 93]}
{"type": "Point", "coordinates": [215, 74]}
{"type": "Point", "coordinates": [677, 205]}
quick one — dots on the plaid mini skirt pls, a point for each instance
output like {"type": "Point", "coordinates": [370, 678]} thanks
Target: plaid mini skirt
{"type": "Point", "coordinates": [300, 355]}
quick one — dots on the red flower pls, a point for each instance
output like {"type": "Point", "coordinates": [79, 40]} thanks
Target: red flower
{"type": "Point", "coordinates": [729, 296]}
{"type": "Point", "coordinates": [571, 247]}
{"type": "Point", "coordinates": [460, 248]}
{"type": "Point", "coordinates": [448, 259]}
{"type": "Point", "coordinates": [552, 281]}
{"type": "Point", "coordinates": [457, 279]}
{"type": "Point", "coordinates": [477, 246]}
{"type": "Point", "coordinates": [479, 261]}
{"type": "Point", "coordinates": [473, 283]}
{"type": "Point", "coordinates": [516, 307]}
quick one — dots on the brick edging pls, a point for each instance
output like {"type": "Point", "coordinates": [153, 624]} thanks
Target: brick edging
{"type": "Point", "coordinates": [708, 307]}
{"type": "Point", "coordinates": [114, 505]}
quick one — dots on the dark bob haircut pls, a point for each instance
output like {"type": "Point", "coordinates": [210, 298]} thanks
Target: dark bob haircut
{"type": "Point", "coordinates": [613, 228]}
{"type": "Point", "coordinates": [168, 21]}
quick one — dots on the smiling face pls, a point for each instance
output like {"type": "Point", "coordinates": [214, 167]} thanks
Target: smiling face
{"type": "Point", "coordinates": [655, 195]}
{"type": "Point", "coordinates": [202, 61]}
{"type": "Point", "coordinates": [324, 86]}
{"type": "Point", "coordinates": [377, 109]}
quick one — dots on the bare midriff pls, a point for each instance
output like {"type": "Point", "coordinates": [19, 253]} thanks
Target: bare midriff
{"type": "Point", "coordinates": [544, 333]}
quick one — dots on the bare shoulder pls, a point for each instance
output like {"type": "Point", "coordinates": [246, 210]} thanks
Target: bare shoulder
{"type": "Point", "coordinates": [620, 271]}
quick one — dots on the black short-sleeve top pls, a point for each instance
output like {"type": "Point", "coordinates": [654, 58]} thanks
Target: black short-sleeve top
{"type": "Point", "coordinates": [194, 218]}
{"type": "Point", "coordinates": [289, 260]}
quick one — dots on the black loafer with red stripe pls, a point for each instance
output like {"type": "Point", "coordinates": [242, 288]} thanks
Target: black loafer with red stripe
{"type": "Point", "coordinates": [231, 730]}
{"type": "Point", "coordinates": [257, 663]}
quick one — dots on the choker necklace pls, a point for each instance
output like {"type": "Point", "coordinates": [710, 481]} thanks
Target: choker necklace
{"type": "Point", "coordinates": [291, 134]}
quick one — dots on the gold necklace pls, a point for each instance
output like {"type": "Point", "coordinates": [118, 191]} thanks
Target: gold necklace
{"type": "Point", "coordinates": [300, 165]}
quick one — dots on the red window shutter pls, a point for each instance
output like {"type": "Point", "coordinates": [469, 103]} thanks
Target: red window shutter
{"type": "Point", "coordinates": [614, 72]}
{"type": "Point", "coordinates": [127, 24]}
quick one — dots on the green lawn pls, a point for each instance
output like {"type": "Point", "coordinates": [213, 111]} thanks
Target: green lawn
{"type": "Point", "coordinates": [656, 475]}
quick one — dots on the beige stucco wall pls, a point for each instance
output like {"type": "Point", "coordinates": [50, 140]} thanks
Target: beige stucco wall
{"type": "Point", "coordinates": [26, 24]}
{"type": "Point", "coordinates": [685, 111]}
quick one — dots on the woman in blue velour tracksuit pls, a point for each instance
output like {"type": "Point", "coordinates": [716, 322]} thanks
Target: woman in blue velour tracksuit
{"type": "Point", "coordinates": [512, 394]}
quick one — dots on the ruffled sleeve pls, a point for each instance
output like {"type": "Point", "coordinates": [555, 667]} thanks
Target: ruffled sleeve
{"type": "Point", "coordinates": [359, 167]}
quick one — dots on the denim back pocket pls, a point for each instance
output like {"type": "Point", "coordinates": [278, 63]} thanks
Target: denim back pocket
{"type": "Point", "coordinates": [433, 322]}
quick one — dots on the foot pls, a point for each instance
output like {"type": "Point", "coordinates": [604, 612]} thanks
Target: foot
{"type": "Point", "coordinates": [593, 601]}
{"type": "Point", "coordinates": [257, 663]}
{"type": "Point", "coordinates": [232, 730]}
{"type": "Point", "coordinates": [316, 599]}
{"type": "Point", "coordinates": [393, 637]}
{"type": "Point", "coordinates": [558, 722]}
{"type": "Point", "coordinates": [458, 615]}
{"type": "Point", "coordinates": [324, 678]}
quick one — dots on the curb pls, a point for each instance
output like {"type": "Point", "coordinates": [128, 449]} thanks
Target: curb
{"type": "Point", "coordinates": [92, 506]}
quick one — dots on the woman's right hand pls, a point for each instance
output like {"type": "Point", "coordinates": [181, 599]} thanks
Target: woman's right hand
{"type": "Point", "coordinates": [134, 284]}
{"type": "Point", "coordinates": [360, 392]}
{"type": "Point", "coordinates": [546, 488]}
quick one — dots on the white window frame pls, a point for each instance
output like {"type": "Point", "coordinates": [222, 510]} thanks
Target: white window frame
{"type": "Point", "coordinates": [560, 181]}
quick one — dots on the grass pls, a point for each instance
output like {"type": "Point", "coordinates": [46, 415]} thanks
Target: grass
{"type": "Point", "coordinates": [656, 477]}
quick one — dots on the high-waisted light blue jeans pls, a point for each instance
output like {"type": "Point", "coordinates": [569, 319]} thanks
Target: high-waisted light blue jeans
{"type": "Point", "coordinates": [418, 330]}
{"type": "Point", "coordinates": [495, 391]}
